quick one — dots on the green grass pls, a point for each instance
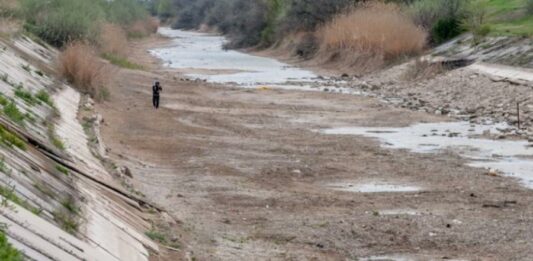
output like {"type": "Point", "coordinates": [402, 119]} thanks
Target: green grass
{"type": "Point", "coordinates": [10, 139]}
{"type": "Point", "coordinates": [7, 251]}
{"type": "Point", "coordinates": [507, 17]}
{"type": "Point", "coordinates": [13, 113]}
{"type": "Point", "coordinates": [62, 169]}
{"type": "Point", "coordinates": [61, 21]}
{"type": "Point", "coordinates": [156, 236]}
{"type": "Point", "coordinates": [43, 96]}
{"type": "Point", "coordinates": [9, 193]}
{"type": "Point", "coordinates": [521, 27]}
{"type": "Point", "coordinates": [26, 95]}
{"type": "Point", "coordinates": [3, 100]}
{"type": "Point", "coordinates": [121, 61]}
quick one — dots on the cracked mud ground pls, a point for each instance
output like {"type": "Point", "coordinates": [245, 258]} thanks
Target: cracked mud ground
{"type": "Point", "coordinates": [248, 175]}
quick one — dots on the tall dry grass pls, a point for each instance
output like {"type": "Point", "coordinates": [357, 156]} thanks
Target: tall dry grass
{"type": "Point", "coordinates": [142, 28]}
{"type": "Point", "coordinates": [113, 39]}
{"type": "Point", "coordinates": [374, 28]}
{"type": "Point", "coordinates": [80, 66]}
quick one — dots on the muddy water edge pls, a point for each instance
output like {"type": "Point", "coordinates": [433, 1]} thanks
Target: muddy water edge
{"type": "Point", "coordinates": [248, 176]}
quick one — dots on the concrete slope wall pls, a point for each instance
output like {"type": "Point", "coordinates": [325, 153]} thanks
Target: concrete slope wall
{"type": "Point", "coordinates": [59, 202]}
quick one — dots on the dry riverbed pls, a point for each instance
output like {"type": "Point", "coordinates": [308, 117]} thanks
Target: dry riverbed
{"type": "Point", "coordinates": [248, 174]}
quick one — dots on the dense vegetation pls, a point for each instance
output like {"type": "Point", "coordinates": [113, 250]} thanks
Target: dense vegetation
{"type": "Point", "coordinates": [61, 21]}
{"type": "Point", "coordinates": [84, 30]}
{"type": "Point", "coordinates": [7, 251]}
{"type": "Point", "coordinates": [265, 22]}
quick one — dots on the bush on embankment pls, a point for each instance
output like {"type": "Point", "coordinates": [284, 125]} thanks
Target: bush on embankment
{"type": "Point", "coordinates": [79, 65]}
{"type": "Point", "coordinates": [441, 18]}
{"type": "Point", "coordinates": [86, 30]}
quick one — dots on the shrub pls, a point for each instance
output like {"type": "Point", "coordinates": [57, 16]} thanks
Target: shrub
{"type": "Point", "coordinates": [376, 28]}
{"type": "Point", "coordinates": [60, 21]}
{"type": "Point", "coordinates": [143, 28]}
{"type": "Point", "coordinates": [112, 39]}
{"type": "Point", "coordinates": [529, 7]}
{"type": "Point", "coordinates": [163, 8]}
{"type": "Point", "coordinates": [440, 17]}
{"type": "Point", "coordinates": [79, 66]}
{"type": "Point", "coordinates": [124, 12]}
{"type": "Point", "coordinates": [445, 29]}
{"type": "Point", "coordinates": [9, 8]}
{"type": "Point", "coordinates": [306, 15]}
{"type": "Point", "coordinates": [67, 221]}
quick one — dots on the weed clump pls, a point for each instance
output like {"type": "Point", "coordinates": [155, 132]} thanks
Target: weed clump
{"type": "Point", "coordinates": [43, 96]}
{"type": "Point", "coordinates": [67, 221]}
{"type": "Point", "coordinates": [9, 194]}
{"type": "Point", "coordinates": [79, 66]}
{"type": "Point", "coordinates": [26, 95]}
{"type": "Point", "coordinates": [62, 169]}
{"type": "Point", "coordinates": [13, 113]}
{"type": "Point", "coordinates": [9, 139]}
{"type": "Point", "coordinates": [67, 215]}
{"type": "Point", "coordinates": [7, 251]}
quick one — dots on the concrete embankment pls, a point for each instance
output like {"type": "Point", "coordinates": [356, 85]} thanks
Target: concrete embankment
{"type": "Point", "coordinates": [60, 202]}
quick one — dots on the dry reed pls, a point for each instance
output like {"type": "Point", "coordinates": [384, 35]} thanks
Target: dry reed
{"type": "Point", "coordinates": [80, 66]}
{"type": "Point", "coordinates": [113, 39]}
{"type": "Point", "coordinates": [375, 28]}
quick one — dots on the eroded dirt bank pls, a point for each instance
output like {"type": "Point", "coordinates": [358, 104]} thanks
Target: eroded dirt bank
{"type": "Point", "coordinates": [249, 177]}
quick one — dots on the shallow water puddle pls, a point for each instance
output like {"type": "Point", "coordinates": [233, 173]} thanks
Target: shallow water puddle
{"type": "Point", "coordinates": [506, 156]}
{"type": "Point", "coordinates": [373, 187]}
{"type": "Point", "coordinates": [201, 51]}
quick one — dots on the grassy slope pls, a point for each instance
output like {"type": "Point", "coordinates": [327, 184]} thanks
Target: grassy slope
{"type": "Point", "coordinates": [507, 17]}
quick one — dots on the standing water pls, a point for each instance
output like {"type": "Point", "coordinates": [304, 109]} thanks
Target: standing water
{"type": "Point", "coordinates": [205, 54]}
{"type": "Point", "coordinates": [514, 158]}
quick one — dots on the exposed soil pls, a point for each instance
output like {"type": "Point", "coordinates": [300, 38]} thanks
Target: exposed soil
{"type": "Point", "coordinates": [249, 178]}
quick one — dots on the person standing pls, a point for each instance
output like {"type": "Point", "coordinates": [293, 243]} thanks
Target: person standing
{"type": "Point", "coordinates": [156, 90]}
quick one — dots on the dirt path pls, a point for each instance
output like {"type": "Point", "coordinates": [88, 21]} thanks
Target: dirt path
{"type": "Point", "coordinates": [249, 178]}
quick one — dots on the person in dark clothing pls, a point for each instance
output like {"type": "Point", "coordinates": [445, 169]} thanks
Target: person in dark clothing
{"type": "Point", "coordinates": [156, 89]}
